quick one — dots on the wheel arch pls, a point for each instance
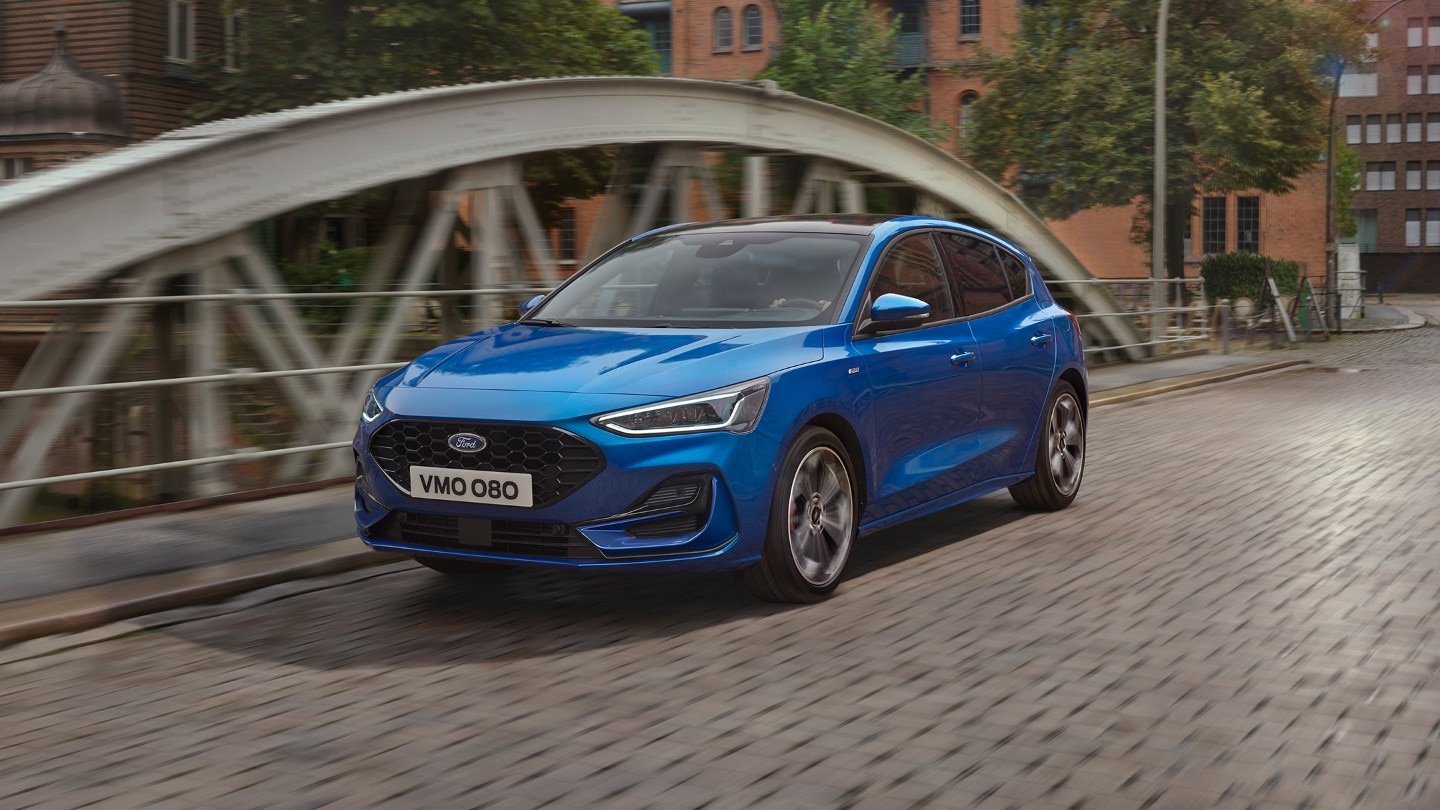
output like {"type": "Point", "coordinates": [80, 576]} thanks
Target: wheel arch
{"type": "Point", "coordinates": [846, 433]}
{"type": "Point", "coordinates": [1077, 381]}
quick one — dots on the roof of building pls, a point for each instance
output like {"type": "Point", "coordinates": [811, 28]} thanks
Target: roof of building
{"type": "Point", "coordinates": [62, 100]}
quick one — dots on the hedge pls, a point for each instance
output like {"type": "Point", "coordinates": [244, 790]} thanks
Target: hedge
{"type": "Point", "coordinates": [1233, 275]}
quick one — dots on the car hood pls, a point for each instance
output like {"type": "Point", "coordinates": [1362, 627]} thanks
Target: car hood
{"type": "Point", "coordinates": [637, 362]}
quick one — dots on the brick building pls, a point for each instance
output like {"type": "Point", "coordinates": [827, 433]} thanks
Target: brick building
{"type": "Point", "coordinates": [147, 50]}
{"type": "Point", "coordinates": [1389, 111]}
{"type": "Point", "coordinates": [150, 49]}
{"type": "Point", "coordinates": [732, 39]}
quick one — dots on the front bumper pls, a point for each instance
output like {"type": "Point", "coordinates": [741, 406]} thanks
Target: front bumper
{"type": "Point", "coordinates": [695, 502]}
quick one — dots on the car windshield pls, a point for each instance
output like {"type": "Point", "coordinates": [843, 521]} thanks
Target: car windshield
{"type": "Point", "coordinates": [739, 279]}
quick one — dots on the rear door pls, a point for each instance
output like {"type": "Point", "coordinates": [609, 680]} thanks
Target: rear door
{"type": "Point", "coordinates": [1015, 344]}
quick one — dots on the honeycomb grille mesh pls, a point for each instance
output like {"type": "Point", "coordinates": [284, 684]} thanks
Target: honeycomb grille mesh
{"type": "Point", "coordinates": [558, 461]}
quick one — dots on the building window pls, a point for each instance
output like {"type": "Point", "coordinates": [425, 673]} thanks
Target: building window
{"type": "Point", "coordinates": [1393, 127]}
{"type": "Point", "coordinates": [1213, 225]}
{"type": "Point", "coordinates": [1353, 131]}
{"type": "Point", "coordinates": [1414, 130]}
{"type": "Point", "coordinates": [724, 30]}
{"type": "Point", "coordinates": [1432, 86]}
{"type": "Point", "coordinates": [1365, 223]}
{"type": "Point", "coordinates": [1412, 175]}
{"type": "Point", "coordinates": [11, 168]}
{"type": "Point", "coordinates": [1412, 227]}
{"type": "Point", "coordinates": [1372, 129]}
{"type": "Point", "coordinates": [1247, 224]}
{"type": "Point", "coordinates": [967, 117]}
{"type": "Point", "coordinates": [235, 42]}
{"type": "Point", "coordinates": [657, 31]}
{"type": "Point", "coordinates": [969, 19]}
{"type": "Point", "coordinates": [1432, 127]}
{"type": "Point", "coordinates": [181, 46]}
{"type": "Point", "coordinates": [1432, 175]}
{"type": "Point", "coordinates": [1415, 32]}
{"type": "Point", "coordinates": [1434, 31]}
{"type": "Point", "coordinates": [566, 242]}
{"type": "Point", "coordinates": [1380, 176]}
{"type": "Point", "coordinates": [1432, 227]}
{"type": "Point", "coordinates": [1414, 80]}
{"type": "Point", "coordinates": [754, 28]}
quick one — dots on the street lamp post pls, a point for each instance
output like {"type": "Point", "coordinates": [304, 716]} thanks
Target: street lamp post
{"type": "Point", "coordinates": [1157, 199]}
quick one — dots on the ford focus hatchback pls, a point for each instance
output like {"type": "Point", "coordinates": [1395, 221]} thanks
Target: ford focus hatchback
{"type": "Point", "coordinates": [748, 396]}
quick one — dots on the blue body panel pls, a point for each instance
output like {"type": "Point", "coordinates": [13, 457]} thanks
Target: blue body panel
{"type": "Point", "coordinates": [934, 416]}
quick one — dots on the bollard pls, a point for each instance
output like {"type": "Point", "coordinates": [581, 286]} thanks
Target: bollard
{"type": "Point", "coordinates": [1225, 326]}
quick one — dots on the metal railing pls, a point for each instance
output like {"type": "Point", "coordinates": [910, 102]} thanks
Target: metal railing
{"type": "Point", "coordinates": [279, 441]}
{"type": "Point", "coordinates": [1175, 328]}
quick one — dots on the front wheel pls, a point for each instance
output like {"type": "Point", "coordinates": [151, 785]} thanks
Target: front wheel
{"type": "Point", "coordinates": [813, 522]}
{"type": "Point", "coordinates": [1059, 454]}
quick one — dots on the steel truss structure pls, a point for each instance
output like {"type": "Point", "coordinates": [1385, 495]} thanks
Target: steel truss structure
{"type": "Point", "coordinates": [129, 224]}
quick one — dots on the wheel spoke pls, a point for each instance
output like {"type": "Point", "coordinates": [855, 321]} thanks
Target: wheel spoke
{"type": "Point", "coordinates": [821, 516]}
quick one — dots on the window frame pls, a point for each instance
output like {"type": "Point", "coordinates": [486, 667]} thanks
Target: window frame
{"type": "Point", "coordinates": [180, 49]}
{"type": "Point", "coordinates": [970, 20]}
{"type": "Point", "coordinates": [1241, 204]}
{"type": "Point", "coordinates": [725, 44]}
{"type": "Point", "coordinates": [752, 12]}
{"type": "Point", "coordinates": [1207, 232]}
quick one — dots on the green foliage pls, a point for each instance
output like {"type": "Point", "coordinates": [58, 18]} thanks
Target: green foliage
{"type": "Point", "coordinates": [1069, 118]}
{"type": "Point", "coordinates": [842, 52]}
{"type": "Point", "coordinates": [331, 269]}
{"type": "Point", "coordinates": [306, 53]}
{"type": "Point", "coordinates": [1233, 275]}
{"type": "Point", "coordinates": [1347, 180]}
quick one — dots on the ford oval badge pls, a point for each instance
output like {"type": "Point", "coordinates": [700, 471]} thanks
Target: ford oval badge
{"type": "Point", "coordinates": [467, 442]}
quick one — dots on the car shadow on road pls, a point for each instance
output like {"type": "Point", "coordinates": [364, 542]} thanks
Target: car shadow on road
{"type": "Point", "coordinates": [415, 617]}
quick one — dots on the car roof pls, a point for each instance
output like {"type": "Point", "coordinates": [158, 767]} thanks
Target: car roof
{"type": "Point", "coordinates": [813, 223]}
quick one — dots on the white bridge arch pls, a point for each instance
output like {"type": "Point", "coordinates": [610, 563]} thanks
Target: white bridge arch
{"type": "Point", "coordinates": [184, 203]}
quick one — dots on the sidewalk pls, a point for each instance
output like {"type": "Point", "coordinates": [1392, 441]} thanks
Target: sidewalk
{"type": "Point", "coordinates": [70, 579]}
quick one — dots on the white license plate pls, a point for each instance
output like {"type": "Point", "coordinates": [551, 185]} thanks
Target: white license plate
{"type": "Point", "coordinates": [471, 486]}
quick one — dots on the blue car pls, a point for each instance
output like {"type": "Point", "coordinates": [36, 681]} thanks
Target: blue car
{"type": "Point", "coordinates": [748, 396]}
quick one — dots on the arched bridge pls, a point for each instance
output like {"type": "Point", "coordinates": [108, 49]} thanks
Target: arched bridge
{"type": "Point", "coordinates": [158, 239]}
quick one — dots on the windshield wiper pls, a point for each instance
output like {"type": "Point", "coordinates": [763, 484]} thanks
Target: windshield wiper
{"type": "Point", "coordinates": [542, 322]}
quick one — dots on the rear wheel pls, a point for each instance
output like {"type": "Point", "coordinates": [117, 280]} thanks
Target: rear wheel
{"type": "Point", "coordinates": [813, 522]}
{"type": "Point", "coordinates": [1059, 454]}
{"type": "Point", "coordinates": [460, 568]}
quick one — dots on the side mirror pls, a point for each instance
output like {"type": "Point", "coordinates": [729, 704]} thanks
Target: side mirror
{"type": "Point", "coordinates": [891, 311]}
{"type": "Point", "coordinates": [530, 303]}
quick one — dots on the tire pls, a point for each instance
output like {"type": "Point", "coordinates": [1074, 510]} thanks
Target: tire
{"type": "Point", "coordinates": [814, 517]}
{"type": "Point", "coordinates": [461, 568]}
{"type": "Point", "coordinates": [1059, 454]}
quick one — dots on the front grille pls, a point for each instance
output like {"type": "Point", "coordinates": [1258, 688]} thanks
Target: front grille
{"type": "Point", "coordinates": [510, 537]}
{"type": "Point", "coordinates": [558, 461]}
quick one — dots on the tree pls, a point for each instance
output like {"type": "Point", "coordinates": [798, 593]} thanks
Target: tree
{"type": "Point", "coordinates": [1069, 119]}
{"type": "Point", "coordinates": [842, 52]}
{"type": "Point", "coordinates": [300, 53]}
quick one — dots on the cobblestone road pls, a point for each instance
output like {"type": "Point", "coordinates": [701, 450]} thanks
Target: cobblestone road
{"type": "Point", "coordinates": [1239, 611]}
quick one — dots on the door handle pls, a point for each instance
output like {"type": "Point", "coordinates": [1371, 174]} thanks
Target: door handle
{"type": "Point", "coordinates": [962, 359]}
{"type": "Point", "coordinates": [1041, 338]}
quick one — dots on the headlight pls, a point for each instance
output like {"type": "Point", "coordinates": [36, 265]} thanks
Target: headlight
{"type": "Point", "coordinates": [736, 408]}
{"type": "Point", "coordinates": [371, 410]}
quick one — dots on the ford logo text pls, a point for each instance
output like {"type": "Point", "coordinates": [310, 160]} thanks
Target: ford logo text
{"type": "Point", "coordinates": [467, 443]}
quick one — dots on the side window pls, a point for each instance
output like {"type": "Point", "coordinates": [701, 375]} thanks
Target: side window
{"type": "Point", "coordinates": [983, 279]}
{"type": "Point", "coordinates": [912, 268]}
{"type": "Point", "coordinates": [1016, 274]}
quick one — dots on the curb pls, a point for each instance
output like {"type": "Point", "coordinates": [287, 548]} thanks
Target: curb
{"type": "Point", "coordinates": [89, 608]}
{"type": "Point", "coordinates": [1413, 320]}
{"type": "Point", "coordinates": [1130, 393]}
